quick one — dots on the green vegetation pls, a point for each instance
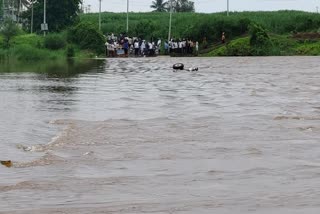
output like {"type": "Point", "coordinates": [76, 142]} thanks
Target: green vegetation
{"type": "Point", "coordinates": [176, 5]}
{"type": "Point", "coordinates": [32, 47]}
{"type": "Point", "coordinates": [1, 8]}
{"type": "Point", "coordinates": [183, 6]}
{"type": "Point", "coordinates": [17, 45]}
{"type": "Point", "coordinates": [58, 68]}
{"type": "Point", "coordinates": [198, 25]}
{"type": "Point", "coordinates": [277, 46]}
{"type": "Point", "coordinates": [9, 30]}
{"type": "Point", "coordinates": [60, 14]}
{"type": "Point", "coordinates": [159, 6]}
{"type": "Point", "coordinates": [87, 37]}
{"type": "Point", "coordinates": [55, 41]}
{"type": "Point", "coordinates": [247, 33]}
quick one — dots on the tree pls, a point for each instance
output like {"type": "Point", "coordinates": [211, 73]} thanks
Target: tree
{"type": "Point", "coordinates": [60, 14]}
{"type": "Point", "coordinates": [18, 4]}
{"type": "Point", "coordinates": [87, 36]}
{"type": "Point", "coordinates": [24, 3]}
{"type": "Point", "coordinates": [259, 40]}
{"type": "Point", "coordinates": [1, 9]}
{"type": "Point", "coordinates": [159, 6]}
{"type": "Point", "coordinates": [183, 6]}
{"type": "Point", "coordinates": [9, 30]}
{"type": "Point", "coordinates": [145, 29]}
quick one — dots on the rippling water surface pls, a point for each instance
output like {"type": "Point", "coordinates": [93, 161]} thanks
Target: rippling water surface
{"type": "Point", "coordinates": [241, 135]}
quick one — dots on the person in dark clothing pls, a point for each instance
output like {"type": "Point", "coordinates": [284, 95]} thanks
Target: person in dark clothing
{"type": "Point", "coordinates": [126, 48]}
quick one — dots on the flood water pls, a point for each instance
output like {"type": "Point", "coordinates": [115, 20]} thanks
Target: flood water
{"type": "Point", "coordinates": [241, 135]}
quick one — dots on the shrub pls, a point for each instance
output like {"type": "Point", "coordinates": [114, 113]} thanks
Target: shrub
{"type": "Point", "coordinates": [28, 53]}
{"type": "Point", "coordinates": [70, 51]}
{"type": "Point", "coordinates": [87, 37]}
{"type": "Point", "coordinates": [282, 45]}
{"type": "Point", "coordinates": [239, 47]}
{"type": "Point", "coordinates": [9, 30]}
{"type": "Point", "coordinates": [54, 42]}
{"type": "Point", "coordinates": [309, 49]}
{"type": "Point", "coordinates": [259, 40]}
{"type": "Point", "coordinates": [3, 54]}
{"type": "Point", "coordinates": [1, 41]}
{"type": "Point", "coordinates": [221, 51]}
{"type": "Point", "coordinates": [144, 29]}
{"type": "Point", "coordinates": [31, 39]}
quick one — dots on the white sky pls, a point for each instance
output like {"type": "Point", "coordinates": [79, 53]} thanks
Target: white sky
{"type": "Point", "coordinates": [210, 6]}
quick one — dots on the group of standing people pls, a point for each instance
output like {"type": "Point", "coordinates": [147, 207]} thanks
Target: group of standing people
{"type": "Point", "coordinates": [181, 46]}
{"type": "Point", "coordinates": [123, 46]}
{"type": "Point", "coordinates": [146, 48]}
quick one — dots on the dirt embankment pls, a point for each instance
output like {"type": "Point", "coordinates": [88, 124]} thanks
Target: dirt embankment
{"type": "Point", "coordinates": [306, 36]}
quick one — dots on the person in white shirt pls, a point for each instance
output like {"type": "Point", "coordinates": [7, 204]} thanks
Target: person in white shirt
{"type": "Point", "coordinates": [143, 47]}
{"type": "Point", "coordinates": [136, 48]}
{"type": "Point", "coordinates": [197, 47]}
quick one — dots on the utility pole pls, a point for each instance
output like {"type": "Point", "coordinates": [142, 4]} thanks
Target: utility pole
{"type": "Point", "coordinates": [227, 7]}
{"type": "Point", "coordinates": [127, 16]}
{"type": "Point", "coordinates": [99, 15]}
{"type": "Point", "coordinates": [44, 17]}
{"type": "Point", "coordinates": [31, 16]}
{"type": "Point", "coordinates": [170, 21]}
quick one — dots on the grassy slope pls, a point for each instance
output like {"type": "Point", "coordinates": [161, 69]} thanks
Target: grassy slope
{"type": "Point", "coordinates": [282, 45]}
{"type": "Point", "coordinates": [184, 24]}
{"type": "Point", "coordinates": [279, 24]}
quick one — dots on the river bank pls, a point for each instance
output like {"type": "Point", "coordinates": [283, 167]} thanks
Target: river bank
{"type": "Point", "coordinates": [280, 45]}
{"type": "Point", "coordinates": [84, 40]}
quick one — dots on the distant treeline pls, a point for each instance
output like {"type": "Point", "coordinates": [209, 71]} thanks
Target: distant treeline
{"type": "Point", "coordinates": [210, 26]}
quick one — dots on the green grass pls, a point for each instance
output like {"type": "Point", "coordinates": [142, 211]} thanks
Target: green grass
{"type": "Point", "coordinates": [30, 47]}
{"type": "Point", "coordinates": [1, 42]}
{"type": "Point", "coordinates": [312, 49]}
{"type": "Point", "coordinates": [198, 25]}
{"type": "Point", "coordinates": [26, 52]}
{"type": "Point", "coordinates": [280, 46]}
{"type": "Point", "coordinates": [33, 40]}
{"type": "Point", "coordinates": [278, 24]}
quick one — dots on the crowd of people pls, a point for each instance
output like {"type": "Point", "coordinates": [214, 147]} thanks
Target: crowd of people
{"type": "Point", "coordinates": [124, 46]}
{"type": "Point", "coordinates": [181, 46]}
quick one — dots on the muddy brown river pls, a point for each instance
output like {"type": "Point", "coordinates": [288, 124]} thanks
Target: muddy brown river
{"type": "Point", "coordinates": [130, 136]}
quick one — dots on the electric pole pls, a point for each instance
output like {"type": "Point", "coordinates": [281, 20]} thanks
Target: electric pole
{"type": "Point", "coordinates": [227, 7]}
{"type": "Point", "coordinates": [127, 16]}
{"type": "Point", "coordinates": [44, 17]}
{"type": "Point", "coordinates": [31, 16]}
{"type": "Point", "coordinates": [99, 15]}
{"type": "Point", "coordinates": [170, 21]}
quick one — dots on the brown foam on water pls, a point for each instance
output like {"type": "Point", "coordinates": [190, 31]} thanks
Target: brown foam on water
{"type": "Point", "coordinates": [47, 159]}
{"type": "Point", "coordinates": [31, 185]}
{"type": "Point", "coordinates": [296, 118]}
{"type": "Point", "coordinates": [57, 141]}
